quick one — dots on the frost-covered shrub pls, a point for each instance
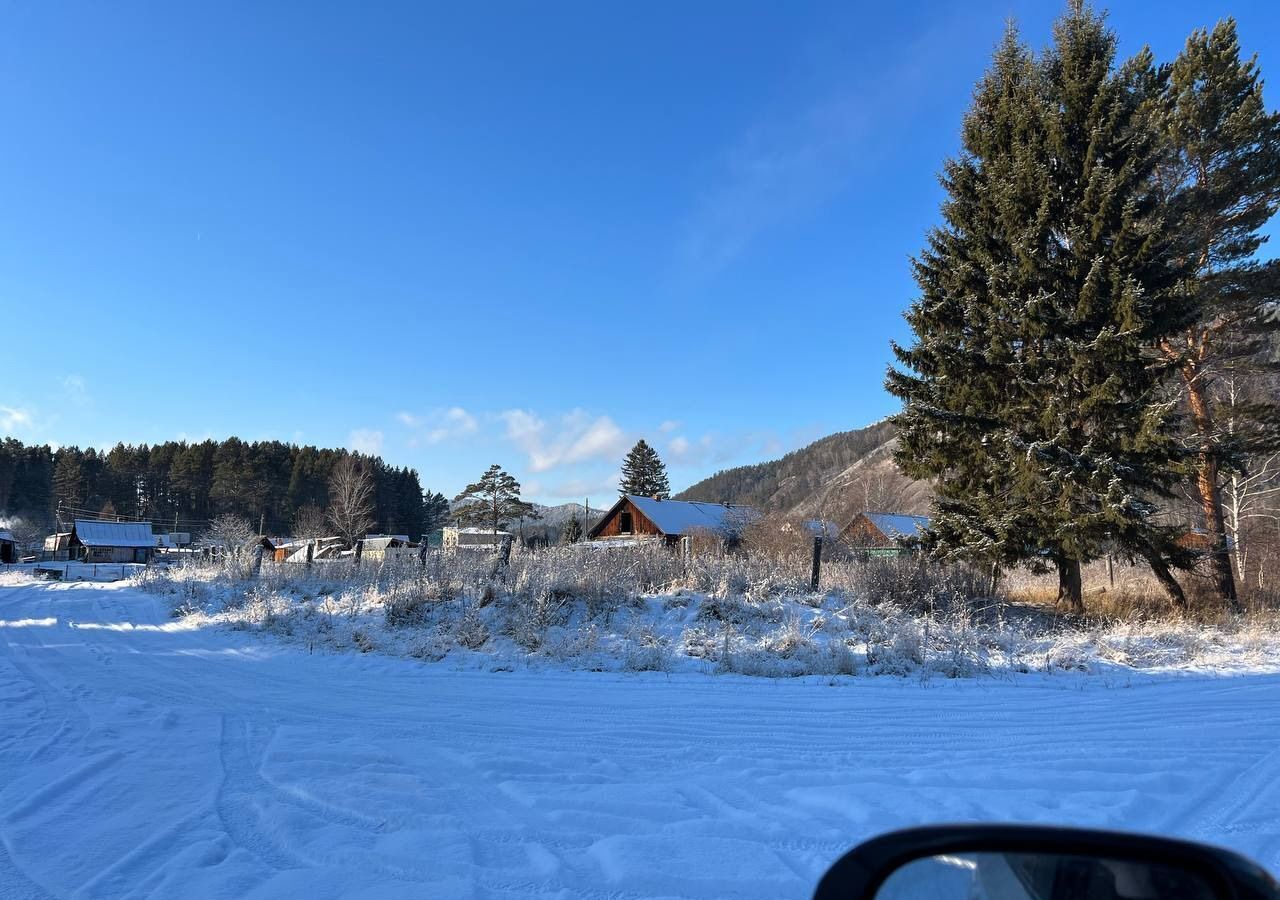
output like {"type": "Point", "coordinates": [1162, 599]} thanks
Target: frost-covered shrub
{"type": "Point", "coordinates": [790, 639]}
{"type": "Point", "coordinates": [431, 647]}
{"type": "Point", "coordinates": [908, 581]}
{"type": "Point", "coordinates": [529, 619]}
{"type": "Point", "coordinates": [649, 609]}
{"type": "Point", "coordinates": [701, 642]}
{"type": "Point", "coordinates": [646, 651]}
{"type": "Point", "coordinates": [470, 630]}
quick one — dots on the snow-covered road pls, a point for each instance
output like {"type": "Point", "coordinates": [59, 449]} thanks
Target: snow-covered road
{"type": "Point", "coordinates": [140, 758]}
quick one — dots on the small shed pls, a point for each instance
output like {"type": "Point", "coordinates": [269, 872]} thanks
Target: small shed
{"type": "Point", "coordinates": [386, 546]}
{"type": "Point", "coordinates": [888, 532]}
{"type": "Point", "coordinates": [112, 542]}
{"type": "Point", "coordinates": [8, 547]}
{"type": "Point", "coordinates": [57, 546]}
{"type": "Point", "coordinates": [635, 518]}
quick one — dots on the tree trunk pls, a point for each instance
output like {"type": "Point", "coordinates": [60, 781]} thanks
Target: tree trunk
{"type": "Point", "coordinates": [1070, 587]}
{"type": "Point", "coordinates": [1209, 489]}
{"type": "Point", "coordinates": [1166, 579]}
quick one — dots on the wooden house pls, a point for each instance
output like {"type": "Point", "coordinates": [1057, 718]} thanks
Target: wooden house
{"type": "Point", "coordinates": [635, 519]}
{"type": "Point", "coordinates": [883, 532]}
{"type": "Point", "coordinates": [111, 542]}
{"type": "Point", "coordinates": [8, 547]}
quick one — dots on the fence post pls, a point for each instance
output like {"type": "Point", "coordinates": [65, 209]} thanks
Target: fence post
{"type": "Point", "coordinates": [816, 573]}
{"type": "Point", "coordinates": [311, 550]}
{"type": "Point", "coordinates": [359, 550]}
{"type": "Point", "coordinates": [257, 562]}
{"type": "Point", "coordinates": [422, 552]}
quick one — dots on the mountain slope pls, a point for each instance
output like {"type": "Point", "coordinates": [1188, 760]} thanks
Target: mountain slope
{"type": "Point", "coordinates": [834, 477]}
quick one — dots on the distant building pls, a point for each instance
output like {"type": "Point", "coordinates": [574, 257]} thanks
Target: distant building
{"type": "Point", "coordinates": [887, 532]}
{"type": "Point", "coordinates": [634, 519]}
{"type": "Point", "coordinates": [387, 546]}
{"type": "Point", "coordinates": [118, 542]}
{"type": "Point", "coordinates": [473, 538]}
{"type": "Point", "coordinates": [321, 548]}
{"type": "Point", "coordinates": [57, 546]}
{"type": "Point", "coordinates": [8, 547]}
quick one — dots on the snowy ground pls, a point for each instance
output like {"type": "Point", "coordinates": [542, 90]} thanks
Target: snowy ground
{"type": "Point", "coordinates": [140, 756]}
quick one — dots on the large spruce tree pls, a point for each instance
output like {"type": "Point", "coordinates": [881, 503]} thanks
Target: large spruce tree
{"type": "Point", "coordinates": [643, 473]}
{"type": "Point", "coordinates": [1030, 393]}
{"type": "Point", "coordinates": [1222, 184]}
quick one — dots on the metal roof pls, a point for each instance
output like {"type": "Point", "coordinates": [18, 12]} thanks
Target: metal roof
{"type": "Point", "coordinates": [7, 535]}
{"type": "Point", "coordinates": [114, 534]}
{"type": "Point", "coordinates": [677, 517]}
{"type": "Point", "coordinates": [898, 525]}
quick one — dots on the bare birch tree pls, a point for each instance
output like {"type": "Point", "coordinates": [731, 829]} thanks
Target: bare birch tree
{"type": "Point", "coordinates": [350, 499]}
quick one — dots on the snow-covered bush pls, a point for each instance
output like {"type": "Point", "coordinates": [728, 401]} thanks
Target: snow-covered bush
{"type": "Point", "coordinates": [650, 610]}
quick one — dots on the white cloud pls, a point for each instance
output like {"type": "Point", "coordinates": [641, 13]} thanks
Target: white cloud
{"type": "Point", "coordinates": [439, 425]}
{"type": "Point", "coordinates": [365, 440]}
{"type": "Point", "coordinates": [576, 437]}
{"type": "Point", "coordinates": [668, 426]}
{"type": "Point", "coordinates": [75, 389]}
{"type": "Point", "coordinates": [13, 418]}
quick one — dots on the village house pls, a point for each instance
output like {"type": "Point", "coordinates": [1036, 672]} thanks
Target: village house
{"type": "Point", "coordinates": [473, 538]}
{"type": "Point", "coordinates": [111, 542]}
{"type": "Point", "coordinates": [8, 547]}
{"type": "Point", "coordinates": [636, 519]}
{"type": "Point", "coordinates": [883, 533]}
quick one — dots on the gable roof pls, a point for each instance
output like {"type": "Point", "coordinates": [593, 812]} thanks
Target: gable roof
{"type": "Point", "coordinates": [678, 517]}
{"type": "Point", "coordinates": [7, 536]}
{"type": "Point", "coordinates": [114, 534]}
{"type": "Point", "coordinates": [898, 525]}
{"type": "Point", "coordinates": [383, 542]}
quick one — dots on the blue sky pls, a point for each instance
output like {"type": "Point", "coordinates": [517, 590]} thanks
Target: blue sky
{"type": "Point", "coordinates": [516, 232]}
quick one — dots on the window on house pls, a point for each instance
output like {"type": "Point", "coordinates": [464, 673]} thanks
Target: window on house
{"type": "Point", "coordinates": [624, 523]}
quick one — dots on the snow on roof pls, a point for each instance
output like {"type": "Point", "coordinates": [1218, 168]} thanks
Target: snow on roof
{"type": "Point", "coordinates": [488, 531]}
{"type": "Point", "coordinates": [383, 542]}
{"type": "Point", "coordinates": [822, 528]}
{"type": "Point", "coordinates": [677, 517]}
{"type": "Point", "coordinates": [7, 535]}
{"type": "Point", "coordinates": [114, 534]}
{"type": "Point", "coordinates": [898, 525]}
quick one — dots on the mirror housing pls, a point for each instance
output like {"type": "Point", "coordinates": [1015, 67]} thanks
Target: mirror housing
{"type": "Point", "coordinates": [860, 873]}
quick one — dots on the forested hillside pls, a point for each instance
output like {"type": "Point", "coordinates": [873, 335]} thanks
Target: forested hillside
{"type": "Point", "coordinates": [834, 477]}
{"type": "Point", "coordinates": [192, 483]}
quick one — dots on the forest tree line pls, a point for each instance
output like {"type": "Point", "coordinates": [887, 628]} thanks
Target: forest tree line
{"type": "Point", "coordinates": [192, 483]}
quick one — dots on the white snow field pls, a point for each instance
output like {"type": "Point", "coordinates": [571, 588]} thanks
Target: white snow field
{"type": "Point", "coordinates": [143, 756]}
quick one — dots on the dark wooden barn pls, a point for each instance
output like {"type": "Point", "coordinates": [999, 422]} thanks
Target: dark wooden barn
{"type": "Point", "coordinates": [634, 518]}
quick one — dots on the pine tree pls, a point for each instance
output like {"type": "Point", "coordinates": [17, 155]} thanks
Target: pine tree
{"type": "Point", "coordinates": [68, 479]}
{"type": "Point", "coordinates": [1222, 181]}
{"type": "Point", "coordinates": [493, 501]}
{"type": "Point", "coordinates": [435, 508]}
{"type": "Point", "coordinates": [1029, 392]}
{"type": "Point", "coordinates": [572, 532]}
{"type": "Point", "coordinates": [643, 473]}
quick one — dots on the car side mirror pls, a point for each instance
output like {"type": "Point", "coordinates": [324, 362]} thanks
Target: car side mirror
{"type": "Point", "coordinates": [1010, 862]}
